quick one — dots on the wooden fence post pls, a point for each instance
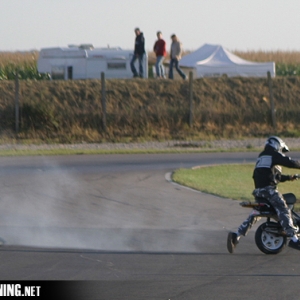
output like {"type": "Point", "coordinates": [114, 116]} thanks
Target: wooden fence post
{"type": "Point", "coordinates": [103, 101]}
{"type": "Point", "coordinates": [17, 98]}
{"type": "Point", "coordinates": [191, 98]}
{"type": "Point", "coordinates": [272, 101]}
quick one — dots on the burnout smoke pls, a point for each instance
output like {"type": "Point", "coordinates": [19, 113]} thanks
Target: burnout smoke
{"type": "Point", "coordinates": [48, 204]}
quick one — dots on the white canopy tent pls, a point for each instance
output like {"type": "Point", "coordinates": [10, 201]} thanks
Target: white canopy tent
{"type": "Point", "coordinates": [214, 60]}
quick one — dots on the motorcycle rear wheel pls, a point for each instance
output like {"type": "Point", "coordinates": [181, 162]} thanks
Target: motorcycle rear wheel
{"type": "Point", "coordinates": [269, 243]}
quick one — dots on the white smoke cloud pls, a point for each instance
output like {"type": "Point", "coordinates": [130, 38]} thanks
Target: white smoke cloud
{"type": "Point", "coordinates": [58, 207]}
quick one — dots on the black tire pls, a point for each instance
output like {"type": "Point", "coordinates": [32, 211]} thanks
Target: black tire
{"type": "Point", "coordinates": [269, 243]}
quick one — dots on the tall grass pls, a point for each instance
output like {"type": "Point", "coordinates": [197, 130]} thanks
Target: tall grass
{"type": "Point", "coordinates": [287, 57]}
{"type": "Point", "coordinates": [287, 62]}
{"type": "Point", "coordinates": [25, 63]}
{"type": "Point", "coordinates": [69, 111]}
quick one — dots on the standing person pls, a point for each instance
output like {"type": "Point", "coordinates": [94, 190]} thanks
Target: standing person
{"type": "Point", "coordinates": [160, 51]}
{"type": "Point", "coordinates": [139, 51]}
{"type": "Point", "coordinates": [175, 56]}
{"type": "Point", "coordinates": [266, 176]}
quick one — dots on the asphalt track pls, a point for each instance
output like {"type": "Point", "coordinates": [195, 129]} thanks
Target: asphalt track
{"type": "Point", "coordinates": [118, 228]}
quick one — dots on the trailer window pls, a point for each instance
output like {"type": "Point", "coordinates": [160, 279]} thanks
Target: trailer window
{"type": "Point", "coordinates": [116, 65]}
{"type": "Point", "coordinates": [58, 72]}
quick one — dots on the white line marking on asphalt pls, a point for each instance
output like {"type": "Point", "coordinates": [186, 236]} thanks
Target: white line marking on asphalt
{"type": "Point", "coordinates": [168, 177]}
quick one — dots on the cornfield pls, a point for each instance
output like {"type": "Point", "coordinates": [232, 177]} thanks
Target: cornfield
{"type": "Point", "coordinates": [287, 63]}
{"type": "Point", "coordinates": [23, 63]}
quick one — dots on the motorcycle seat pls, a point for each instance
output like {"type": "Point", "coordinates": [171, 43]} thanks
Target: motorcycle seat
{"type": "Point", "coordinates": [290, 198]}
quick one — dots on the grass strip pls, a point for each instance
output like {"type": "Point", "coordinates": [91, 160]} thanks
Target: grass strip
{"type": "Point", "coordinates": [78, 151]}
{"type": "Point", "coordinates": [229, 181]}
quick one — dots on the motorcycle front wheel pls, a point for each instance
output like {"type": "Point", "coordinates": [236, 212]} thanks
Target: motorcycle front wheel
{"type": "Point", "coordinates": [269, 243]}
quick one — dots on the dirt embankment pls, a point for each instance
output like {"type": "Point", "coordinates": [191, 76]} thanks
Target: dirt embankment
{"type": "Point", "coordinates": [137, 109]}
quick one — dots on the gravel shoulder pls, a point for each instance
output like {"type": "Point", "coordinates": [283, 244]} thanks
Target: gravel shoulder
{"type": "Point", "coordinates": [244, 144]}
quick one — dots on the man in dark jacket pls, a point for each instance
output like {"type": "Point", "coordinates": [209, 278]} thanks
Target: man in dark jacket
{"type": "Point", "coordinates": [139, 51]}
{"type": "Point", "coordinates": [266, 176]}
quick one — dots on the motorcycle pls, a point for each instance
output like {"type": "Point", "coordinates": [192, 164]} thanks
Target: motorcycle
{"type": "Point", "coordinates": [270, 237]}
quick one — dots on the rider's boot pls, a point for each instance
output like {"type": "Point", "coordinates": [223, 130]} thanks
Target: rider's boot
{"type": "Point", "coordinates": [294, 245]}
{"type": "Point", "coordinates": [232, 241]}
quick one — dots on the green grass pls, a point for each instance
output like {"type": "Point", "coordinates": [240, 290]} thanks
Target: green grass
{"type": "Point", "coordinates": [228, 181]}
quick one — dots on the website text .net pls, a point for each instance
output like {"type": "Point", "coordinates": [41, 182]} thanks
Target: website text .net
{"type": "Point", "coordinates": [17, 290]}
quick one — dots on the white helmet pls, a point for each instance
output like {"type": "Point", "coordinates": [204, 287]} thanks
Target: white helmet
{"type": "Point", "coordinates": [277, 143]}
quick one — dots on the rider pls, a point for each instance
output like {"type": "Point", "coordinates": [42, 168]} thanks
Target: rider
{"type": "Point", "coordinates": [266, 176]}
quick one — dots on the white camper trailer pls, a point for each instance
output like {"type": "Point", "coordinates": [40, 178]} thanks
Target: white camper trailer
{"type": "Point", "coordinates": [87, 62]}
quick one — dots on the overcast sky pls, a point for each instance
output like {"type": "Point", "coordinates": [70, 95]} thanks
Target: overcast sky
{"type": "Point", "coordinates": [235, 24]}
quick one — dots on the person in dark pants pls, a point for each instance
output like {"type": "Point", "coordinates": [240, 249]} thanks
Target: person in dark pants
{"type": "Point", "coordinates": [139, 51]}
{"type": "Point", "coordinates": [266, 176]}
{"type": "Point", "coordinates": [175, 56]}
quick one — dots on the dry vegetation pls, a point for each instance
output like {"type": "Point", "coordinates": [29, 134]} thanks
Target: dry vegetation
{"type": "Point", "coordinates": [69, 111]}
{"type": "Point", "coordinates": [24, 62]}
{"type": "Point", "coordinates": [287, 57]}
{"type": "Point", "coordinates": [18, 58]}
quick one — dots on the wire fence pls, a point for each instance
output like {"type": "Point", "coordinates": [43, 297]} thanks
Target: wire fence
{"type": "Point", "coordinates": [113, 105]}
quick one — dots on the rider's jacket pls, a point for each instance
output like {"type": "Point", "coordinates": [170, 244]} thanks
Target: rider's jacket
{"type": "Point", "coordinates": [268, 168]}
